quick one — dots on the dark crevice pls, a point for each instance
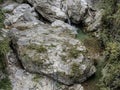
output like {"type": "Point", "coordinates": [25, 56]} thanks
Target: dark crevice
{"type": "Point", "coordinates": [12, 46]}
{"type": "Point", "coordinates": [40, 17]}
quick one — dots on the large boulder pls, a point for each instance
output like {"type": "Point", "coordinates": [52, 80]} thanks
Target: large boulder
{"type": "Point", "coordinates": [61, 9]}
{"type": "Point", "coordinates": [53, 51]}
{"type": "Point", "coordinates": [23, 80]}
{"type": "Point", "coordinates": [50, 10]}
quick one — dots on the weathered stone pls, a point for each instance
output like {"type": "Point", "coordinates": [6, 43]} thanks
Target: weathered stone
{"type": "Point", "coordinates": [93, 22]}
{"type": "Point", "coordinates": [50, 11]}
{"type": "Point", "coordinates": [75, 10]}
{"type": "Point", "coordinates": [10, 7]}
{"type": "Point", "coordinates": [23, 17]}
{"type": "Point", "coordinates": [23, 80]}
{"type": "Point", "coordinates": [53, 51]}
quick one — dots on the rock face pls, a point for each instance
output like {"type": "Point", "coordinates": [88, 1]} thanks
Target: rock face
{"type": "Point", "coordinates": [51, 10]}
{"type": "Point", "coordinates": [23, 80]}
{"type": "Point", "coordinates": [10, 7]}
{"type": "Point", "coordinates": [61, 9]}
{"type": "Point", "coordinates": [52, 50]}
{"type": "Point", "coordinates": [74, 11]}
{"type": "Point", "coordinates": [93, 22]}
{"type": "Point", "coordinates": [22, 17]}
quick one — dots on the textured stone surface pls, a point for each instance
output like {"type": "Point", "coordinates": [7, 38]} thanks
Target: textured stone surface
{"type": "Point", "coordinates": [53, 51]}
{"type": "Point", "coordinates": [23, 80]}
{"type": "Point", "coordinates": [10, 7]}
{"type": "Point", "coordinates": [61, 9]}
{"type": "Point", "coordinates": [93, 22]}
{"type": "Point", "coordinates": [22, 17]}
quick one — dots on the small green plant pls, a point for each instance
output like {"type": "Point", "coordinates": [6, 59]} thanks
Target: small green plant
{"type": "Point", "coordinates": [39, 49]}
{"type": "Point", "coordinates": [1, 19]}
{"type": "Point", "coordinates": [75, 70]}
{"type": "Point", "coordinates": [64, 58]}
{"type": "Point", "coordinates": [37, 77]}
{"type": "Point", "coordinates": [113, 49]}
{"type": "Point", "coordinates": [4, 46]}
{"type": "Point", "coordinates": [73, 52]}
{"type": "Point", "coordinates": [5, 83]}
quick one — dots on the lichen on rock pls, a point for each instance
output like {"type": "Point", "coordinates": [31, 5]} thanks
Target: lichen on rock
{"type": "Point", "coordinates": [42, 53]}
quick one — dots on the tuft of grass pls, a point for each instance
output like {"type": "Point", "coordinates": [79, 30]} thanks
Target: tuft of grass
{"type": "Point", "coordinates": [1, 19]}
{"type": "Point", "coordinates": [75, 70]}
{"type": "Point", "coordinates": [73, 52]}
{"type": "Point", "coordinates": [37, 77]}
{"type": "Point", "coordinates": [4, 46]}
{"type": "Point", "coordinates": [5, 83]}
{"type": "Point", "coordinates": [39, 49]}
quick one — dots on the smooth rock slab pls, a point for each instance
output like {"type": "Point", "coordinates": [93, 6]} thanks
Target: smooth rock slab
{"type": "Point", "coordinates": [53, 51]}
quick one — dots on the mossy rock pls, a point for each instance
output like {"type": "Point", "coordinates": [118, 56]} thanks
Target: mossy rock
{"type": "Point", "coordinates": [52, 53]}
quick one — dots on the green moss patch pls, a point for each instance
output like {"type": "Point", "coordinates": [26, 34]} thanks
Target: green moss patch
{"type": "Point", "coordinates": [38, 48]}
{"type": "Point", "coordinates": [75, 70]}
{"type": "Point", "coordinates": [1, 19]}
{"type": "Point", "coordinates": [5, 83]}
{"type": "Point", "coordinates": [73, 52]}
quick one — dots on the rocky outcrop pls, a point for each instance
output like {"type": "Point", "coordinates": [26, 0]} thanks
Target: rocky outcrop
{"type": "Point", "coordinates": [51, 10]}
{"type": "Point", "coordinates": [23, 80]}
{"type": "Point", "coordinates": [61, 9]}
{"type": "Point", "coordinates": [74, 11]}
{"type": "Point", "coordinates": [10, 7]}
{"type": "Point", "coordinates": [53, 51]}
{"type": "Point", "coordinates": [22, 17]}
{"type": "Point", "coordinates": [94, 21]}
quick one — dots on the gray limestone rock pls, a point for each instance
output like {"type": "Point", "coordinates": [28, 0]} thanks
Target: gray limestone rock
{"type": "Point", "coordinates": [53, 51]}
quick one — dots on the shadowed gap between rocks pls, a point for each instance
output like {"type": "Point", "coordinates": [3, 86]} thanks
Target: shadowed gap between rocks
{"type": "Point", "coordinates": [15, 52]}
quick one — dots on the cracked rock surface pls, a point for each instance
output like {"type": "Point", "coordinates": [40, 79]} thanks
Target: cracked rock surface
{"type": "Point", "coordinates": [53, 51]}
